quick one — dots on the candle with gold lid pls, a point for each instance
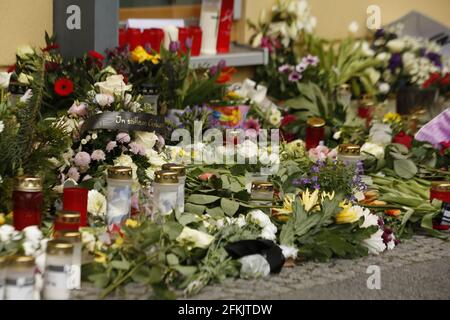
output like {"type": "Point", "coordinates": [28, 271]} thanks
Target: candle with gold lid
{"type": "Point", "coordinates": [27, 202]}
{"type": "Point", "coordinates": [315, 132]}
{"type": "Point", "coordinates": [181, 171]}
{"type": "Point", "coordinates": [73, 237]}
{"type": "Point", "coordinates": [345, 94]}
{"type": "Point", "coordinates": [58, 262]}
{"type": "Point", "coordinates": [20, 278]}
{"type": "Point", "coordinates": [349, 153]}
{"type": "Point", "coordinates": [67, 220]}
{"type": "Point", "coordinates": [165, 192]}
{"type": "Point", "coordinates": [119, 195]}
{"type": "Point", "coordinates": [262, 192]}
{"type": "Point", "coordinates": [440, 190]}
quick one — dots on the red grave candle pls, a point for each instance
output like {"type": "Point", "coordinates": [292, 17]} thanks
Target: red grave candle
{"type": "Point", "coordinates": [440, 190]}
{"type": "Point", "coordinates": [67, 221]}
{"type": "Point", "coordinates": [76, 199]}
{"type": "Point", "coordinates": [27, 202]}
{"type": "Point", "coordinates": [134, 37]}
{"type": "Point", "coordinates": [195, 33]}
{"type": "Point", "coordinates": [225, 23]}
{"type": "Point", "coordinates": [182, 37]}
{"type": "Point", "coordinates": [146, 38]}
{"type": "Point", "coordinates": [315, 132]}
{"type": "Point", "coordinates": [122, 37]}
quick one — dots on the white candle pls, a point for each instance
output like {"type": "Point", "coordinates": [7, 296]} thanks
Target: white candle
{"type": "Point", "coordinates": [209, 22]}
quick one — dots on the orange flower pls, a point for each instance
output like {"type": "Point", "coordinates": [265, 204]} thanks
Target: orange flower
{"type": "Point", "coordinates": [393, 212]}
{"type": "Point", "coordinates": [225, 75]}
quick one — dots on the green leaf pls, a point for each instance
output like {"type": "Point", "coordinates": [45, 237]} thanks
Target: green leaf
{"type": "Point", "coordinates": [216, 212]}
{"type": "Point", "coordinates": [172, 229]}
{"type": "Point", "coordinates": [202, 199]}
{"type": "Point", "coordinates": [120, 264]}
{"type": "Point", "coordinates": [405, 168]}
{"type": "Point", "coordinates": [100, 280]}
{"type": "Point", "coordinates": [187, 218]}
{"type": "Point", "coordinates": [156, 275]}
{"type": "Point", "coordinates": [186, 270]}
{"type": "Point", "coordinates": [141, 275]}
{"type": "Point", "coordinates": [230, 207]}
{"type": "Point", "coordinates": [172, 259]}
{"type": "Point", "coordinates": [194, 208]}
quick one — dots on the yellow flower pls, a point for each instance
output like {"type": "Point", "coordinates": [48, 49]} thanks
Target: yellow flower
{"type": "Point", "coordinates": [287, 205]}
{"type": "Point", "coordinates": [155, 58]}
{"type": "Point", "coordinates": [392, 117]}
{"type": "Point", "coordinates": [100, 257]}
{"type": "Point", "coordinates": [132, 223]}
{"type": "Point", "coordinates": [118, 243]}
{"type": "Point", "coordinates": [2, 219]}
{"type": "Point", "coordinates": [233, 96]}
{"type": "Point", "coordinates": [347, 215]}
{"type": "Point", "coordinates": [140, 55]}
{"type": "Point", "coordinates": [328, 195]}
{"type": "Point", "coordinates": [309, 200]}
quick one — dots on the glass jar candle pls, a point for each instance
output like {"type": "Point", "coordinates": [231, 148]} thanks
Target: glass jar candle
{"type": "Point", "coordinates": [440, 190]}
{"type": "Point", "coordinates": [262, 193]}
{"type": "Point", "coordinates": [349, 153]}
{"type": "Point", "coordinates": [20, 278]}
{"type": "Point", "coordinates": [58, 262]}
{"type": "Point", "coordinates": [119, 195]}
{"type": "Point", "coordinates": [209, 22]}
{"type": "Point", "coordinates": [67, 220]}
{"type": "Point", "coordinates": [150, 94]}
{"type": "Point", "coordinates": [315, 132]}
{"type": "Point", "coordinates": [76, 199]}
{"type": "Point", "coordinates": [165, 193]}
{"type": "Point", "coordinates": [74, 238]}
{"type": "Point", "coordinates": [156, 38]}
{"type": "Point", "coordinates": [2, 277]}
{"type": "Point", "coordinates": [27, 202]}
{"type": "Point", "coordinates": [181, 172]}
{"type": "Point", "coordinates": [195, 33]}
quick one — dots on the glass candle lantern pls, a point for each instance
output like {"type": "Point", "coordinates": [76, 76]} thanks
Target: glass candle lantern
{"type": "Point", "coordinates": [76, 199]}
{"type": "Point", "coordinates": [27, 202]}
{"type": "Point", "coordinates": [67, 220]}
{"type": "Point", "coordinates": [20, 278]}
{"type": "Point", "coordinates": [349, 153]}
{"type": "Point", "coordinates": [74, 238]}
{"type": "Point", "coordinates": [262, 193]}
{"type": "Point", "coordinates": [315, 132]}
{"type": "Point", "coordinates": [150, 94]}
{"type": "Point", "coordinates": [440, 190]}
{"type": "Point", "coordinates": [181, 172]}
{"type": "Point", "coordinates": [2, 277]}
{"type": "Point", "coordinates": [119, 195]}
{"type": "Point", "coordinates": [209, 22]}
{"type": "Point", "coordinates": [58, 262]}
{"type": "Point", "coordinates": [165, 193]}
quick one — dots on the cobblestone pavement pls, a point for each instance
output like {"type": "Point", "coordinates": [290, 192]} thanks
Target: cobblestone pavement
{"type": "Point", "coordinates": [418, 268]}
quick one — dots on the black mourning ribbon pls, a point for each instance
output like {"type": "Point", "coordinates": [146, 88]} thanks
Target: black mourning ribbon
{"type": "Point", "coordinates": [266, 248]}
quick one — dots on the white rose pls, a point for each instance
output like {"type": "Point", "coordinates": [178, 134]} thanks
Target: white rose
{"type": "Point", "coordinates": [104, 99]}
{"type": "Point", "coordinates": [146, 139]}
{"type": "Point", "coordinates": [194, 238]}
{"type": "Point", "coordinates": [6, 232]}
{"type": "Point", "coordinates": [353, 27]}
{"type": "Point", "coordinates": [96, 203]}
{"type": "Point", "coordinates": [269, 232]}
{"type": "Point", "coordinates": [374, 149]}
{"type": "Point", "coordinates": [384, 87]}
{"type": "Point", "coordinates": [33, 234]}
{"type": "Point", "coordinates": [4, 79]}
{"type": "Point", "coordinates": [114, 85]}
{"type": "Point", "coordinates": [289, 252]}
{"type": "Point", "coordinates": [24, 51]}
{"type": "Point", "coordinates": [29, 248]}
{"type": "Point", "coordinates": [259, 218]}
{"type": "Point", "coordinates": [88, 240]}
{"type": "Point", "coordinates": [396, 45]}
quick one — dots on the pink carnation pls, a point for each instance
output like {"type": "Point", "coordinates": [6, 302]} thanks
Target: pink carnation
{"type": "Point", "coordinates": [78, 109]}
{"type": "Point", "coordinates": [321, 153]}
{"type": "Point", "coordinates": [73, 174]}
{"type": "Point", "coordinates": [110, 146]}
{"type": "Point", "coordinates": [98, 155]}
{"type": "Point", "coordinates": [136, 148]}
{"type": "Point", "coordinates": [123, 137]}
{"type": "Point", "coordinates": [82, 159]}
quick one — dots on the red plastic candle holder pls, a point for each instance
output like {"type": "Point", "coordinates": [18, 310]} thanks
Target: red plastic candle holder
{"type": "Point", "coordinates": [225, 23]}
{"type": "Point", "coordinates": [27, 202]}
{"type": "Point", "coordinates": [76, 199]}
{"type": "Point", "coordinates": [195, 33]}
{"type": "Point", "coordinates": [134, 38]}
{"type": "Point", "coordinates": [315, 132]}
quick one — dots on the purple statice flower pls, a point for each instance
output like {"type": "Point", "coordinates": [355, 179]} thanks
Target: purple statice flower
{"type": "Point", "coordinates": [435, 58]}
{"type": "Point", "coordinates": [285, 68]}
{"type": "Point", "coordinates": [82, 159]}
{"type": "Point", "coordinates": [395, 61]}
{"type": "Point", "coordinates": [360, 167]}
{"type": "Point", "coordinates": [222, 64]}
{"type": "Point", "coordinates": [379, 33]}
{"type": "Point", "coordinates": [174, 46]}
{"type": "Point", "coordinates": [316, 186]}
{"type": "Point", "coordinates": [123, 137]}
{"type": "Point", "coordinates": [294, 77]}
{"type": "Point", "coordinates": [315, 169]}
{"type": "Point", "coordinates": [315, 179]}
{"type": "Point", "coordinates": [311, 60]}
{"type": "Point", "coordinates": [110, 146]}
{"type": "Point", "coordinates": [136, 148]}
{"type": "Point", "coordinates": [98, 155]}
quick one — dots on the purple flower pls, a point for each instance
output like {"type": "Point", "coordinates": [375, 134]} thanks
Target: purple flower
{"type": "Point", "coordinates": [315, 179]}
{"type": "Point", "coordinates": [110, 146]}
{"type": "Point", "coordinates": [82, 159]}
{"type": "Point", "coordinates": [73, 174]}
{"type": "Point", "coordinates": [78, 109]}
{"type": "Point", "coordinates": [213, 70]}
{"type": "Point", "coordinates": [316, 186]}
{"type": "Point", "coordinates": [395, 61]}
{"type": "Point", "coordinates": [435, 58]}
{"type": "Point", "coordinates": [311, 60]}
{"type": "Point", "coordinates": [136, 148]}
{"type": "Point", "coordinates": [222, 64]}
{"type": "Point", "coordinates": [266, 43]}
{"type": "Point", "coordinates": [285, 68]}
{"type": "Point", "coordinates": [98, 155]}
{"type": "Point", "coordinates": [379, 33]}
{"type": "Point", "coordinates": [123, 137]}
{"type": "Point", "coordinates": [174, 46]}
{"type": "Point", "coordinates": [189, 43]}
{"type": "Point", "coordinates": [315, 169]}
{"type": "Point", "coordinates": [302, 66]}
{"type": "Point", "coordinates": [294, 77]}
{"type": "Point", "coordinates": [252, 123]}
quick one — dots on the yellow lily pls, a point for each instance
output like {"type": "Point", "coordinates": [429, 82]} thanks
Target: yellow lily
{"type": "Point", "coordinates": [100, 257]}
{"type": "Point", "coordinates": [329, 195]}
{"type": "Point", "coordinates": [2, 219]}
{"type": "Point", "coordinates": [309, 200]}
{"type": "Point", "coordinates": [287, 205]}
{"type": "Point", "coordinates": [347, 215]}
{"type": "Point", "coordinates": [132, 223]}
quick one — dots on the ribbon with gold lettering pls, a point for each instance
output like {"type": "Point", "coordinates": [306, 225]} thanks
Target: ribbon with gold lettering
{"type": "Point", "coordinates": [125, 121]}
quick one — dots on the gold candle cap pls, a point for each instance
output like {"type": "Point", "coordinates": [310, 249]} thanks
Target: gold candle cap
{"type": "Point", "coordinates": [316, 122]}
{"type": "Point", "coordinates": [440, 186]}
{"type": "Point", "coordinates": [262, 186]}
{"type": "Point", "coordinates": [59, 247]}
{"type": "Point", "coordinates": [21, 261]}
{"type": "Point", "coordinates": [349, 149]}
{"type": "Point", "coordinates": [178, 168]}
{"type": "Point", "coordinates": [67, 235]}
{"type": "Point", "coordinates": [120, 173]}
{"type": "Point", "coordinates": [68, 217]}
{"type": "Point", "coordinates": [344, 87]}
{"type": "Point", "coordinates": [166, 177]}
{"type": "Point", "coordinates": [28, 184]}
